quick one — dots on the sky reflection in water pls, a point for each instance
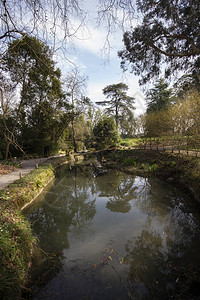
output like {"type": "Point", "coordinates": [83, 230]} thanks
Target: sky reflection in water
{"type": "Point", "coordinates": [115, 236]}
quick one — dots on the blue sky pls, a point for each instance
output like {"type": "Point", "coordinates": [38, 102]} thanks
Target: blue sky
{"type": "Point", "coordinates": [102, 69]}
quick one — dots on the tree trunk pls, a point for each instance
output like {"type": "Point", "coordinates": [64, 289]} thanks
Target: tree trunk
{"type": "Point", "coordinates": [73, 137]}
{"type": "Point", "coordinates": [7, 149]}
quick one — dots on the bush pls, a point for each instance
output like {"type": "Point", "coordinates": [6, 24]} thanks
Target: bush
{"type": "Point", "coordinates": [105, 133]}
{"type": "Point", "coordinates": [129, 161]}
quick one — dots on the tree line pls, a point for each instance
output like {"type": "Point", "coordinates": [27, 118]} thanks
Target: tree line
{"type": "Point", "coordinates": [40, 110]}
{"type": "Point", "coordinates": [168, 114]}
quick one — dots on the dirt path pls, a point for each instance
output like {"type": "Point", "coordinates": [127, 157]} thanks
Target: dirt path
{"type": "Point", "coordinates": [27, 167]}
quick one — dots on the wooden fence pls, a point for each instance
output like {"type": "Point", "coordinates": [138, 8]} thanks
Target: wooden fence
{"type": "Point", "coordinates": [186, 145]}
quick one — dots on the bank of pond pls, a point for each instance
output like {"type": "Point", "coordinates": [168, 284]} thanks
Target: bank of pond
{"type": "Point", "coordinates": [104, 228]}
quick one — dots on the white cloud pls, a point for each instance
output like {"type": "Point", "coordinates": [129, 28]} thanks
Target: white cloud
{"type": "Point", "coordinates": [95, 91]}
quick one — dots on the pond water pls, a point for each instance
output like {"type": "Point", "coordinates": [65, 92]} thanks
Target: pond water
{"type": "Point", "coordinates": [109, 235]}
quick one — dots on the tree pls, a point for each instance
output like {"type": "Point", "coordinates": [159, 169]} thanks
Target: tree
{"type": "Point", "coordinates": [158, 124]}
{"type": "Point", "coordinates": [119, 103]}
{"type": "Point", "coordinates": [128, 125]}
{"type": "Point", "coordinates": [59, 22]}
{"type": "Point", "coordinates": [159, 97]}
{"type": "Point", "coordinates": [185, 115]}
{"type": "Point", "coordinates": [105, 132]}
{"type": "Point", "coordinates": [75, 84]}
{"type": "Point", "coordinates": [169, 35]}
{"type": "Point", "coordinates": [41, 114]}
{"type": "Point", "coordinates": [140, 125]}
{"type": "Point", "coordinates": [7, 119]}
{"type": "Point", "coordinates": [42, 19]}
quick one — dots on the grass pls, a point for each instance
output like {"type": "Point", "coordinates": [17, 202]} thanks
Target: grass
{"type": "Point", "coordinates": [187, 143]}
{"type": "Point", "coordinates": [17, 243]}
{"type": "Point", "coordinates": [16, 247]}
{"type": "Point", "coordinates": [130, 142]}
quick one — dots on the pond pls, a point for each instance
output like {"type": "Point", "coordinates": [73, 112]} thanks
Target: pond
{"type": "Point", "coordinates": [109, 235]}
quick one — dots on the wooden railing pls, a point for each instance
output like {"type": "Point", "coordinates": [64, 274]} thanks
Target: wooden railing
{"type": "Point", "coordinates": [187, 145]}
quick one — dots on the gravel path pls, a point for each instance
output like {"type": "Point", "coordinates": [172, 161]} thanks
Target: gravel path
{"type": "Point", "coordinates": [27, 167]}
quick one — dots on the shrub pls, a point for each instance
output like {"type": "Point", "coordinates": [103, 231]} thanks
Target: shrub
{"type": "Point", "coordinates": [105, 133]}
{"type": "Point", "coordinates": [129, 161]}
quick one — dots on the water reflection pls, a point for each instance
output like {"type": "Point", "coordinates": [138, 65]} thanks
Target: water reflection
{"type": "Point", "coordinates": [117, 237]}
{"type": "Point", "coordinates": [119, 189]}
{"type": "Point", "coordinates": [67, 207]}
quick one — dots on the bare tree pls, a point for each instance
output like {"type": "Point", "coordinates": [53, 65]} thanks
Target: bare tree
{"type": "Point", "coordinates": [58, 22]}
{"type": "Point", "coordinates": [114, 16]}
{"type": "Point", "coordinates": [75, 84]}
{"type": "Point", "coordinates": [50, 20]}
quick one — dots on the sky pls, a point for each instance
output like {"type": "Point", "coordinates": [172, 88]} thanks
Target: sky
{"type": "Point", "coordinates": [100, 68]}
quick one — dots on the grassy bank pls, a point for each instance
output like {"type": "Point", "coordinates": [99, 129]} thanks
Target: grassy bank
{"type": "Point", "coordinates": [183, 170]}
{"type": "Point", "coordinates": [16, 240]}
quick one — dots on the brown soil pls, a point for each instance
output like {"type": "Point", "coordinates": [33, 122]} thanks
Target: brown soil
{"type": "Point", "coordinates": [5, 169]}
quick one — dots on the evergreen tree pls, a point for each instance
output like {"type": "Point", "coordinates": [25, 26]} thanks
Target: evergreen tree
{"type": "Point", "coordinates": [119, 102]}
{"type": "Point", "coordinates": [41, 114]}
{"type": "Point", "coordinates": [169, 36]}
{"type": "Point", "coordinates": [105, 132]}
{"type": "Point", "coordinates": [159, 97]}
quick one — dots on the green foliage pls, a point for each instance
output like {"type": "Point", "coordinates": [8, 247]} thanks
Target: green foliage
{"type": "Point", "coordinates": [148, 167]}
{"type": "Point", "coordinates": [167, 36]}
{"type": "Point", "coordinates": [172, 164]}
{"type": "Point", "coordinates": [129, 161]}
{"type": "Point", "coordinates": [153, 167]}
{"type": "Point", "coordinates": [42, 113]}
{"type": "Point", "coordinates": [105, 133]}
{"type": "Point", "coordinates": [16, 245]}
{"type": "Point", "coordinates": [39, 183]}
{"type": "Point", "coordinates": [130, 142]}
{"type": "Point", "coordinates": [159, 97]}
{"type": "Point", "coordinates": [119, 104]}
{"type": "Point", "coordinates": [79, 132]}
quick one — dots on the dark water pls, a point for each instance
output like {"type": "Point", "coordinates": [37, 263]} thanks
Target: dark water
{"type": "Point", "coordinates": [108, 235]}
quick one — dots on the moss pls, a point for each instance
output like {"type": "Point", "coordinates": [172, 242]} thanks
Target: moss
{"type": "Point", "coordinates": [16, 239]}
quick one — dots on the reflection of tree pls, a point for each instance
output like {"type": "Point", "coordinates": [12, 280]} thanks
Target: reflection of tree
{"type": "Point", "coordinates": [67, 206]}
{"type": "Point", "coordinates": [155, 256]}
{"type": "Point", "coordinates": [83, 211]}
{"type": "Point", "coordinates": [144, 257]}
{"type": "Point", "coordinates": [159, 258]}
{"type": "Point", "coordinates": [151, 272]}
{"type": "Point", "coordinates": [118, 205]}
{"type": "Point", "coordinates": [119, 189]}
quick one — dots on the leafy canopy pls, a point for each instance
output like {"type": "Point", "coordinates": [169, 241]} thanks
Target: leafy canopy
{"type": "Point", "coordinates": [105, 132]}
{"type": "Point", "coordinates": [169, 34]}
{"type": "Point", "coordinates": [41, 110]}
